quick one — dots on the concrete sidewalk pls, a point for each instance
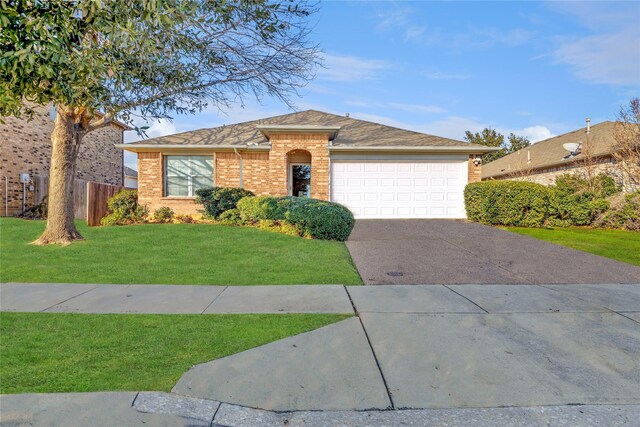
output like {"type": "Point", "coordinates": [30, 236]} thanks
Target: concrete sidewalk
{"type": "Point", "coordinates": [445, 347]}
{"type": "Point", "coordinates": [173, 299]}
{"type": "Point", "coordinates": [526, 354]}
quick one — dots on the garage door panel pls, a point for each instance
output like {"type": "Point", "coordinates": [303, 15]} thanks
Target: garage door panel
{"type": "Point", "coordinates": [400, 189]}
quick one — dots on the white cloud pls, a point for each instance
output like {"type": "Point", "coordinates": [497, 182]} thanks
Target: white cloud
{"type": "Point", "coordinates": [612, 58]}
{"type": "Point", "coordinates": [350, 68]}
{"type": "Point", "coordinates": [399, 106]}
{"type": "Point", "coordinates": [416, 108]}
{"type": "Point", "coordinates": [414, 32]}
{"type": "Point", "coordinates": [610, 52]}
{"type": "Point", "coordinates": [442, 75]}
{"type": "Point", "coordinates": [535, 133]}
{"type": "Point", "coordinates": [398, 16]}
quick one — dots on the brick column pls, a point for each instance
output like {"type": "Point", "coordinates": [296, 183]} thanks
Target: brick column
{"type": "Point", "coordinates": [475, 171]}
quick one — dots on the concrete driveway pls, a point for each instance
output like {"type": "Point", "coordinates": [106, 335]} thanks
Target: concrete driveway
{"type": "Point", "coordinates": [407, 252]}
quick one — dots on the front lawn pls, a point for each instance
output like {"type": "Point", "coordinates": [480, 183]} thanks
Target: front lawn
{"type": "Point", "coordinates": [182, 254]}
{"type": "Point", "coordinates": [617, 244]}
{"type": "Point", "coordinates": [56, 352]}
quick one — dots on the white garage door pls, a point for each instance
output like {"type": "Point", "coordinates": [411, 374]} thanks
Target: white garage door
{"type": "Point", "coordinates": [387, 189]}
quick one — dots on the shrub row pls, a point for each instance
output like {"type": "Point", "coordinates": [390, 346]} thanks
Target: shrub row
{"type": "Point", "coordinates": [290, 215]}
{"type": "Point", "coordinates": [315, 218]}
{"type": "Point", "coordinates": [571, 201]}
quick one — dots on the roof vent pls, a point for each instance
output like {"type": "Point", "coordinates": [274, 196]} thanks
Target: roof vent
{"type": "Point", "coordinates": [588, 125]}
{"type": "Point", "coordinates": [346, 114]}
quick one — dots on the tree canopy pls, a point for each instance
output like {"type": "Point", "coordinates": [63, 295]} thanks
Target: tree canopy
{"type": "Point", "coordinates": [492, 138]}
{"type": "Point", "coordinates": [148, 58]}
{"type": "Point", "coordinates": [151, 57]}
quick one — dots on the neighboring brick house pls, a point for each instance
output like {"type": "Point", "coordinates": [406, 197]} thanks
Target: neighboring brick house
{"type": "Point", "coordinates": [377, 171]}
{"type": "Point", "coordinates": [25, 146]}
{"type": "Point", "coordinates": [544, 161]}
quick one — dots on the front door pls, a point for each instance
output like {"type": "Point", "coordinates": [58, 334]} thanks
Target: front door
{"type": "Point", "coordinates": [300, 179]}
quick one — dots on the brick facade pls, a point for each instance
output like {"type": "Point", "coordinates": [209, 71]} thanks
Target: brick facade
{"type": "Point", "coordinates": [25, 146]}
{"type": "Point", "coordinates": [262, 173]}
{"type": "Point", "coordinates": [255, 171]}
{"type": "Point", "coordinates": [318, 147]}
{"type": "Point", "coordinates": [475, 171]}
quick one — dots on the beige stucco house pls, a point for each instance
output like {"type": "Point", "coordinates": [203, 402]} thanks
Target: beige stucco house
{"type": "Point", "coordinates": [377, 171]}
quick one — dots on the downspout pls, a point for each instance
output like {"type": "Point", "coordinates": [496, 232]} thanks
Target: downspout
{"type": "Point", "coordinates": [235, 150]}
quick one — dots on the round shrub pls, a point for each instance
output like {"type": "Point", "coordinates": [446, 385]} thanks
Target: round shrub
{"type": "Point", "coordinates": [514, 203]}
{"type": "Point", "coordinates": [124, 209]}
{"type": "Point", "coordinates": [320, 219]}
{"type": "Point", "coordinates": [231, 217]}
{"type": "Point", "coordinates": [217, 200]}
{"type": "Point", "coordinates": [163, 214]}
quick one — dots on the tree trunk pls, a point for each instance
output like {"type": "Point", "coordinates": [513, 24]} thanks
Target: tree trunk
{"type": "Point", "coordinates": [65, 143]}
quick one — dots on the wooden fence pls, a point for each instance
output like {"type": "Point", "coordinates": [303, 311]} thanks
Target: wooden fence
{"type": "Point", "coordinates": [97, 197]}
{"type": "Point", "coordinates": [89, 198]}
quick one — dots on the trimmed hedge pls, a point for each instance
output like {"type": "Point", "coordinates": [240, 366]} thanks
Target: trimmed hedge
{"type": "Point", "coordinates": [315, 218]}
{"type": "Point", "coordinates": [571, 201]}
{"type": "Point", "coordinates": [217, 200]}
{"type": "Point", "coordinates": [515, 203]}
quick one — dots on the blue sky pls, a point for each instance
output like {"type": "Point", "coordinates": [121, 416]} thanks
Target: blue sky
{"type": "Point", "coordinates": [534, 68]}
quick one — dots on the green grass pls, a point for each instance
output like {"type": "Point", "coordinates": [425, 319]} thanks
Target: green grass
{"type": "Point", "coordinates": [617, 244]}
{"type": "Point", "coordinates": [55, 352]}
{"type": "Point", "coordinates": [172, 254]}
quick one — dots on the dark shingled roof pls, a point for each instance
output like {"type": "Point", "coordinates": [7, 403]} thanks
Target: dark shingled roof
{"type": "Point", "coordinates": [130, 172]}
{"type": "Point", "coordinates": [549, 153]}
{"type": "Point", "coordinates": [353, 132]}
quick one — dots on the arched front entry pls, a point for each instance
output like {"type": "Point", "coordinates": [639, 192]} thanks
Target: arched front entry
{"type": "Point", "coordinates": [299, 173]}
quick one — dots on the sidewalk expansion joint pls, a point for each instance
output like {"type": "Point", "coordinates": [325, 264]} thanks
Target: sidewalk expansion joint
{"type": "Point", "coordinates": [214, 300]}
{"type": "Point", "coordinates": [70, 298]}
{"type": "Point", "coordinates": [373, 352]}
{"type": "Point", "coordinates": [471, 301]}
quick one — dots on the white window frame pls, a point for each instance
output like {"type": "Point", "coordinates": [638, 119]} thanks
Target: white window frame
{"type": "Point", "coordinates": [191, 192]}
